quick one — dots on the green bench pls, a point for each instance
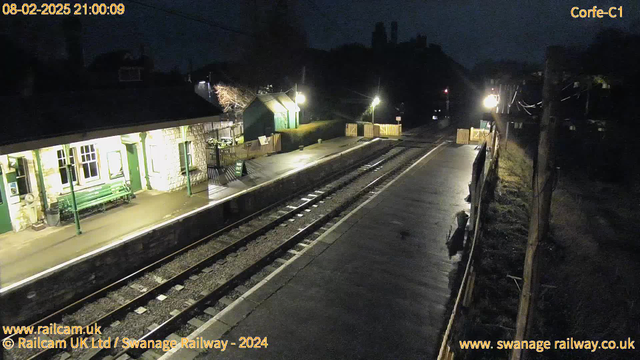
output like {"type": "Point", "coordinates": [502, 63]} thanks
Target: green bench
{"type": "Point", "coordinates": [95, 196]}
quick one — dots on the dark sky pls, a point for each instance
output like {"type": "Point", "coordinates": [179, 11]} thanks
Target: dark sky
{"type": "Point", "coordinates": [468, 30]}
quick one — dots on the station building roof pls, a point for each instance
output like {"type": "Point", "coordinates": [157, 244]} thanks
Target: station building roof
{"type": "Point", "coordinates": [41, 120]}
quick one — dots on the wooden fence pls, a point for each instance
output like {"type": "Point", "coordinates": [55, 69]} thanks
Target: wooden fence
{"type": "Point", "coordinates": [390, 129]}
{"type": "Point", "coordinates": [248, 150]}
{"type": "Point", "coordinates": [351, 130]}
{"type": "Point", "coordinates": [479, 136]}
{"type": "Point", "coordinates": [462, 136]}
{"type": "Point", "coordinates": [485, 169]}
{"type": "Point", "coordinates": [377, 130]}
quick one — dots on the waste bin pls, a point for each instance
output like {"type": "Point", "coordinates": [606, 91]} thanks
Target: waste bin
{"type": "Point", "coordinates": [52, 215]}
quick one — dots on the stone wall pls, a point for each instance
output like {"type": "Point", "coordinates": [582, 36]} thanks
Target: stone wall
{"type": "Point", "coordinates": [164, 157]}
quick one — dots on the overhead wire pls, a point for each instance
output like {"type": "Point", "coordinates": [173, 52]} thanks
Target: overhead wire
{"type": "Point", "coordinates": [192, 18]}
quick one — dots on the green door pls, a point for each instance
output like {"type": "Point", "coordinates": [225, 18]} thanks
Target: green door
{"type": "Point", "coordinates": [5, 218]}
{"type": "Point", "coordinates": [134, 167]}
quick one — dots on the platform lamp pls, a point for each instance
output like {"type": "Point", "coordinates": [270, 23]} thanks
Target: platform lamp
{"type": "Point", "coordinates": [374, 103]}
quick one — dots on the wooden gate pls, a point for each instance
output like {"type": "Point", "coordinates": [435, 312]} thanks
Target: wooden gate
{"type": "Point", "coordinates": [351, 130]}
{"type": "Point", "coordinates": [390, 129]}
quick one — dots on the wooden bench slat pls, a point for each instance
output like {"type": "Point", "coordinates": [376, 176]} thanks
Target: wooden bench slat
{"type": "Point", "coordinates": [100, 194]}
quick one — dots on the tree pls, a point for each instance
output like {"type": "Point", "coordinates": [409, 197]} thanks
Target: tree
{"type": "Point", "coordinates": [233, 98]}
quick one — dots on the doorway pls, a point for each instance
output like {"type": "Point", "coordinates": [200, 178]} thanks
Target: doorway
{"type": "Point", "coordinates": [134, 167]}
{"type": "Point", "coordinates": [5, 217]}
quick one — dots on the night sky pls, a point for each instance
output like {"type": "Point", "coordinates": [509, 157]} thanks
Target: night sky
{"type": "Point", "coordinates": [469, 31]}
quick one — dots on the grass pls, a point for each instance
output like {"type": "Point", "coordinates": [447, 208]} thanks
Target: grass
{"type": "Point", "coordinates": [500, 252]}
{"type": "Point", "coordinates": [593, 260]}
{"type": "Point", "coordinates": [589, 265]}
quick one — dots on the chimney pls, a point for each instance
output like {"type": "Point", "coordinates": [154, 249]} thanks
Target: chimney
{"type": "Point", "coordinates": [394, 32]}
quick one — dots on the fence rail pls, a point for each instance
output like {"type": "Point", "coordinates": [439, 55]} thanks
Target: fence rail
{"type": "Point", "coordinates": [484, 167]}
{"type": "Point", "coordinates": [248, 150]}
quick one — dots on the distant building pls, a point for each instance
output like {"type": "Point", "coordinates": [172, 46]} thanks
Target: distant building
{"type": "Point", "coordinates": [394, 33]}
{"type": "Point", "coordinates": [119, 68]}
{"type": "Point", "coordinates": [115, 137]}
{"type": "Point", "coordinates": [269, 113]}
{"type": "Point", "coordinates": [421, 41]}
{"type": "Point", "coordinates": [379, 36]}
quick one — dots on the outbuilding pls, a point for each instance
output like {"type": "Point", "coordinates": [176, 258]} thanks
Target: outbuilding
{"type": "Point", "coordinates": [269, 113]}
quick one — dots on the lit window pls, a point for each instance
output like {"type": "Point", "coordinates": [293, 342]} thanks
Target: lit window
{"type": "Point", "coordinates": [114, 161]}
{"type": "Point", "coordinates": [22, 176]}
{"type": "Point", "coordinates": [62, 167]}
{"type": "Point", "coordinates": [89, 160]}
{"type": "Point", "coordinates": [181, 150]}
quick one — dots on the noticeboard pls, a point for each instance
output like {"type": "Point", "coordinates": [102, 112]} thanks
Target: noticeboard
{"type": "Point", "coordinates": [241, 168]}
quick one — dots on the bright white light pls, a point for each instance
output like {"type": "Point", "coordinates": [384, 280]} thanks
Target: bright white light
{"type": "Point", "coordinates": [300, 98]}
{"type": "Point", "coordinates": [376, 101]}
{"type": "Point", "coordinates": [490, 101]}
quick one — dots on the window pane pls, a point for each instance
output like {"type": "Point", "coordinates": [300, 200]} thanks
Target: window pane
{"type": "Point", "coordinates": [93, 166]}
{"type": "Point", "coordinates": [21, 166]}
{"type": "Point", "coordinates": [63, 176]}
{"type": "Point", "coordinates": [23, 186]}
{"type": "Point", "coordinates": [181, 155]}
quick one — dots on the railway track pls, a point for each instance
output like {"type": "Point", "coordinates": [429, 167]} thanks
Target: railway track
{"type": "Point", "coordinates": [214, 265]}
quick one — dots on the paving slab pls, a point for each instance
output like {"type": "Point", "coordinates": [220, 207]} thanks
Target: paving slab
{"type": "Point", "coordinates": [380, 288]}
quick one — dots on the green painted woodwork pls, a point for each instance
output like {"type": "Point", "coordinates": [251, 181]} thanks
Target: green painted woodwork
{"type": "Point", "coordinates": [5, 217]}
{"type": "Point", "coordinates": [134, 167]}
{"type": "Point", "coordinates": [94, 196]}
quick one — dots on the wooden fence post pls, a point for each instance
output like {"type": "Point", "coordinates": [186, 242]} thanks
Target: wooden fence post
{"type": "Point", "coordinates": [541, 202]}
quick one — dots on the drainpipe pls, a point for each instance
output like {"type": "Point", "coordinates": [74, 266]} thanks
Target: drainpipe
{"type": "Point", "coordinates": [74, 204]}
{"type": "Point", "coordinates": [43, 191]}
{"type": "Point", "coordinates": [143, 138]}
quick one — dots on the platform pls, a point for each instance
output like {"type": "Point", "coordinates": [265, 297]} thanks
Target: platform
{"type": "Point", "coordinates": [28, 252]}
{"type": "Point", "coordinates": [376, 285]}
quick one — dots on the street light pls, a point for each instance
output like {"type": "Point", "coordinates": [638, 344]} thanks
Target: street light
{"type": "Point", "coordinates": [300, 98]}
{"type": "Point", "coordinates": [374, 103]}
{"type": "Point", "coordinates": [446, 91]}
{"type": "Point", "coordinates": [490, 101]}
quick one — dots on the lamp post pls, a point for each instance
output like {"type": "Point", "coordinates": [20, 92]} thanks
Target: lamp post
{"type": "Point", "coordinates": [299, 98]}
{"type": "Point", "coordinates": [446, 91]}
{"type": "Point", "coordinates": [374, 103]}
